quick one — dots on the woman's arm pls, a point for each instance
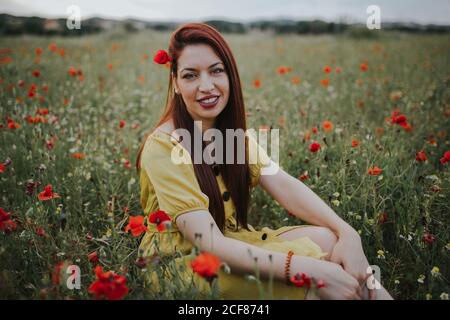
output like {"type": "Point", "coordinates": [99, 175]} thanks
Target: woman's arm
{"type": "Point", "coordinates": [240, 257]}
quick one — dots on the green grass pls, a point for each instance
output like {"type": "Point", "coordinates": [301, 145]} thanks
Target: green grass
{"type": "Point", "coordinates": [95, 190]}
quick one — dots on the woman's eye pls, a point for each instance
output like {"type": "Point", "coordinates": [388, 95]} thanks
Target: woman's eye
{"type": "Point", "coordinates": [190, 75]}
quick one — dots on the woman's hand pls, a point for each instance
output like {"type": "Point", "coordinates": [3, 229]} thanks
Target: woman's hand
{"type": "Point", "coordinates": [339, 285]}
{"type": "Point", "coordinates": [348, 253]}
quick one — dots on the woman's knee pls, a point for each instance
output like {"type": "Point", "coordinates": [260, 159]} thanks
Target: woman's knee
{"type": "Point", "coordinates": [325, 238]}
{"type": "Point", "coordinates": [322, 236]}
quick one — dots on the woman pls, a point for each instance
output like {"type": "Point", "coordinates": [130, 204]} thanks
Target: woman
{"type": "Point", "coordinates": [212, 200]}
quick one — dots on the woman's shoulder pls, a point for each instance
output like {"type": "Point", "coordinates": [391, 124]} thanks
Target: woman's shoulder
{"type": "Point", "coordinates": [164, 134]}
{"type": "Point", "coordinates": [159, 146]}
{"type": "Point", "coordinates": [166, 127]}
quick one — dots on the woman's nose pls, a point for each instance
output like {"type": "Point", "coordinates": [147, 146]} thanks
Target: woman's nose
{"type": "Point", "coordinates": [206, 83]}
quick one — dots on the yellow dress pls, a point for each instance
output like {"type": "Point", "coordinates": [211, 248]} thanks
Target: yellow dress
{"type": "Point", "coordinates": [174, 188]}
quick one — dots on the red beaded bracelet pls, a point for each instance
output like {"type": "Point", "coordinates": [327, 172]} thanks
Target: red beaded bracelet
{"type": "Point", "coordinates": [287, 267]}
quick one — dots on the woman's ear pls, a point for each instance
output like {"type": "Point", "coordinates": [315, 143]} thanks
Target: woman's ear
{"type": "Point", "coordinates": [174, 84]}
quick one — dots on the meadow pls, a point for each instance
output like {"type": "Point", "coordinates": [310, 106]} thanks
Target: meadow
{"type": "Point", "coordinates": [74, 112]}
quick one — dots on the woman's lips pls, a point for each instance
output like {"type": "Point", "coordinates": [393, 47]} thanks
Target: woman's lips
{"type": "Point", "coordinates": [210, 104]}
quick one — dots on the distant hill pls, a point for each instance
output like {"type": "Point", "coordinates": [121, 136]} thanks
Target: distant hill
{"type": "Point", "coordinates": [14, 25]}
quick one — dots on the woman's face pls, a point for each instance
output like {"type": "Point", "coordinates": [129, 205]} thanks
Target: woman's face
{"type": "Point", "coordinates": [201, 73]}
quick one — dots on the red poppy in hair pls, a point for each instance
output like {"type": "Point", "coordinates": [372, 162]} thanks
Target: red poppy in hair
{"type": "Point", "coordinates": [162, 57]}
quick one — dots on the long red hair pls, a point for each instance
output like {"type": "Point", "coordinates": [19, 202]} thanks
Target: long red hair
{"type": "Point", "coordinates": [236, 176]}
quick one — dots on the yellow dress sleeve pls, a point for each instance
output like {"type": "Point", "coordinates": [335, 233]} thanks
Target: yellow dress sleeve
{"type": "Point", "coordinates": [257, 158]}
{"type": "Point", "coordinates": [175, 184]}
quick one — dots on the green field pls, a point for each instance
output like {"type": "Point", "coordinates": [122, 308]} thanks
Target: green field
{"type": "Point", "coordinates": [393, 211]}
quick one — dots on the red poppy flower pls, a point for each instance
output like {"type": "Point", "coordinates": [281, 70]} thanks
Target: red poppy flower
{"type": "Point", "coordinates": [78, 155]}
{"type": "Point", "coordinates": [428, 238]}
{"type": "Point", "coordinates": [374, 171]}
{"type": "Point", "coordinates": [421, 156]}
{"type": "Point", "coordinates": [159, 217]}
{"type": "Point", "coordinates": [6, 224]}
{"type": "Point", "coordinates": [327, 69]}
{"type": "Point", "coordinates": [304, 176]}
{"type": "Point", "coordinates": [72, 71]}
{"type": "Point", "coordinates": [38, 51]}
{"type": "Point", "coordinates": [314, 130]}
{"type": "Point", "coordinates": [2, 168]}
{"type": "Point", "coordinates": [162, 57]}
{"type": "Point", "coordinates": [400, 119]}
{"type": "Point", "coordinates": [75, 72]}
{"type": "Point", "coordinates": [446, 157]}
{"type": "Point", "coordinates": [48, 194]}
{"type": "Point", "coordinates": [355, 143]}
{"type": "Point", "coordinates": [136, 225]}
{"type": "Point", "coordinates": [301, 279]}
{"type": "Point", "coordinates": [52, 47]}
{"type": "Point", "coordinates": [41, 232]}
{"type": "Point", "coordinates": [122, 123]}
{"type": "Point", "coordinates": [42, 111]}
{"type": "Point", "coordinates": [364, 67]}
{"type": "Point", "coordinates": [49, 144]}
{"type": "Point", "coordinates": [314, 147]}
{"type": "Point", "coordinates": [93, 257]}
{"type": "Point", "coordinates": [257, 83]}
{"type": "Point", "coordinates": [127, 164]}
{"type": "Point", "coordinates": [327, 125]}
{"type": "Point", "coordinates": [325, 82]}
{"type": "Point", "coordinates": [108, 285]}
{"type": "Point", "coordinates": [283, 70]}
{"type": "Point", "coordinates": [295, 80]}
{"type": "Point", "coordinates": [36, 73]}
{"type": "Point", "coordinates": [12, 124]}
{"type": "Point", "coordinates": [206, 265]}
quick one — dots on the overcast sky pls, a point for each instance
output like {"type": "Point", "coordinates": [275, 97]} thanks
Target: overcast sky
{"type": "Point", "coordinates": [421, 11]}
